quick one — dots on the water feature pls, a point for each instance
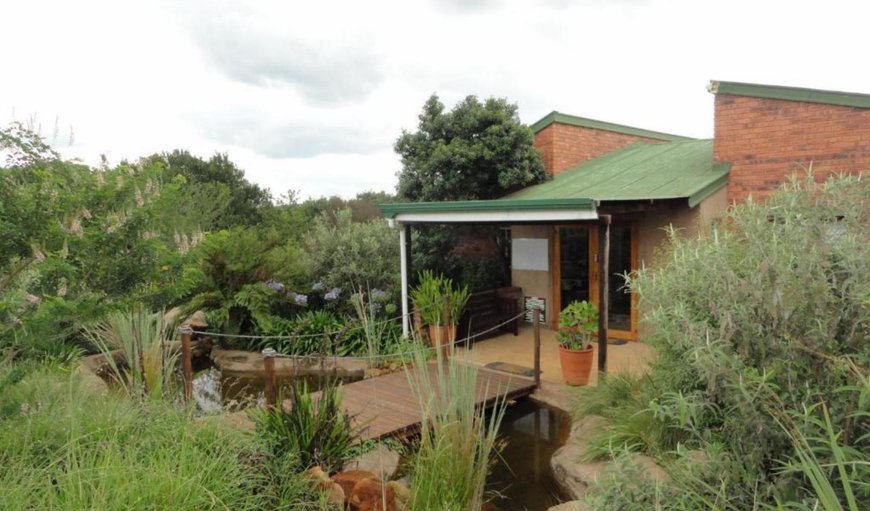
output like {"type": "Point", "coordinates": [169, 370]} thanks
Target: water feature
{"type": "Point", "coordinates": [523, 478]}
{"type": "Point", "coordinates": [214, 392]}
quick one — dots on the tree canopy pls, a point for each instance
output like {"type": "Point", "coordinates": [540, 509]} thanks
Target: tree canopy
{"type": "Point", "coordinates": [243, 202]}
{"type": "Point", "coordinates": [478, 150]}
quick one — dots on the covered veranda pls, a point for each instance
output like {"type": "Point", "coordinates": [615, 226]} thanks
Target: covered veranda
{"type": "Point", "coordinates": [516, 350]}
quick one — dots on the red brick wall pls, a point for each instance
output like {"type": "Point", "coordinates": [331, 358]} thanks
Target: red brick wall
{"type": "Point", "coordinates": [563, 146]}
{"type": "Point", "coordinates": [768, 140]}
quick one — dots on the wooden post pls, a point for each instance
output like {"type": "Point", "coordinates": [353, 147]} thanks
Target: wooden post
{"type": "Point", "coordinates": [603, 292]}
{"type": "Point", "coordinates": [536, 317]}
{"type": "Point", "coordinates": [269, 377]}
{"type": "Point", "coordinates": [186, 361]}
{"type": "Point", "coordinates": [444, 331]}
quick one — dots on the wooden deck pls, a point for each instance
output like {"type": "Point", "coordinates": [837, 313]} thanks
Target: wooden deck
{"type": "Point", "coordinates": [385, 406]}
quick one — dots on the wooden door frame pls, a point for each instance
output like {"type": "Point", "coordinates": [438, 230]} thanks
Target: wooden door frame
{"type": "Point", "coordinates": [556, 302]}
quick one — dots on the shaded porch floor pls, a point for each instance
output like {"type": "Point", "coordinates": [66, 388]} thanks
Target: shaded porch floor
{"type": "Point", "coordinates": [631, 357]}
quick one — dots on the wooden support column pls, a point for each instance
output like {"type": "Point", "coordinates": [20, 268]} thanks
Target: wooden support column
{"type": "Point", "coordinates": [536, 317]}
{"type": "Point", "coordinates": [603, 291]}
{"type": "Point", "coordinates": [187, 361]}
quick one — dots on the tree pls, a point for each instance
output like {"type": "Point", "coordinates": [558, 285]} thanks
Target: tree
{"type": "Point", "coordinates": [476, 151]}
{"type": "Point", "coordinates": [219, 177]}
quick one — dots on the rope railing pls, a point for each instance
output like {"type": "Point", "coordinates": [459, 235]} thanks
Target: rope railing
{"type": "Point", "coordinates": [401, 353]}
{"type": "Point", "coordinates": [298, 336]}
{"type": "Point", "coordinates": [269, 354]}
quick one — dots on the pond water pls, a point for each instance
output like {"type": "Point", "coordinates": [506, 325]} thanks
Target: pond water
{"type": "Point", "coordinates": [214, 392]}
{"type": "Point", "coordinates": [522, 479]}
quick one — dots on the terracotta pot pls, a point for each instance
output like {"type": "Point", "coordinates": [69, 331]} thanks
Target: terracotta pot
{"type": "Point", "coordinates": [443, 336]}
{"type": "Point", "coordinates": [576, 365]}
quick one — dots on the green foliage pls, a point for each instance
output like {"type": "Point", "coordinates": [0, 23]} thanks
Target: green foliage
{"type": "Point", "coordinates": [242, 203]}
{"type": "Point", "coordinates": [315, 431]}
{"type": "Point", "coordinates": [147, 364]}
{"type": "Point", "coordinates": [476, 151]}
{"type": "Point", "coordinates": [77, 242]}
{"type": "Point", "coordinates": [458, 441]}
{"type": "Point", "coordinates": [429, 298]}
{"type": "Point", "coordinates": [350, 255]}
{"type": "Point", "coordinates": [244, 281]}
{"type": "Point", "coordinates": [761, 329]}
{"type": "Point", "coordinates": [624, 401]}
{"type": "Point", "coordinates": [66, 445]}
{"type": "Point", "coordinates": [578, 325]}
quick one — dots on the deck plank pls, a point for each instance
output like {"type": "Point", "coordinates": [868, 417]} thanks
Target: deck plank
{"type": "Point", "coordinates": [386, 406]}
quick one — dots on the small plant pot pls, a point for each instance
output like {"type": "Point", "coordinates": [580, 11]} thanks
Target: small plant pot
{"type": "Point", "coordinates": [576, 365]}
{"type": "Point", "coordinates": [443, 337]}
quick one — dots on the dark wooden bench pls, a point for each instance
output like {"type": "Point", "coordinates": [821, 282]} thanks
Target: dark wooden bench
{"type": "Point", "coordinates": [486, 310]}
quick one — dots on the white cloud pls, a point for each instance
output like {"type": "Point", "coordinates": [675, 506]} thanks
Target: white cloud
{"type": "Point", "coordinates": [311, 95]}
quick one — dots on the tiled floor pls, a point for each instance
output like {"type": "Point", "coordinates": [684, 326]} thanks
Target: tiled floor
{"type": "Point", "coordinates": [629, 357]}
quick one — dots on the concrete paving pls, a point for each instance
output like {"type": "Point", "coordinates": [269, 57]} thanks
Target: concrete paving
{"type": "Point", "coordinates": [631, 357]}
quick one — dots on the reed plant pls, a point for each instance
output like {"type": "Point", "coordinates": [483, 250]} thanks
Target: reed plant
{"type": "Point", "coordinates": [313, 431]}
{"type": "Point", "coordinates": [458, 439]}
{"type": "Point", "coordinates": [147, 364]}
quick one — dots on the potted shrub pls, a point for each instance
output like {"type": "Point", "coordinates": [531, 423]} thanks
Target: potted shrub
{"type": "Point", "coordinates": [429, 302]}
{"type": "Point", "coordinates": [578, 325]}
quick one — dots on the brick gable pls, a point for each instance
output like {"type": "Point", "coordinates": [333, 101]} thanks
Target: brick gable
{"type": "Point", "coordinates": [768, 140]}
{"type": "Point", "coordinates": [564, 146]}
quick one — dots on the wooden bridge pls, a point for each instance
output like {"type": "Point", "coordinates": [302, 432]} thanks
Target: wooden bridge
{"type": "Point", "coordinates": [386, 406]}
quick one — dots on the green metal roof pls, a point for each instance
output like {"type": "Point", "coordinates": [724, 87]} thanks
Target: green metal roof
{"type": "Point", "coordinates": [641, 171]}
{"type": "Point", "coordinates": [829, 97]}
{"type": "Point", "coordinates": [573, 120]}
{"type": "Point", "coordinates": [564, 203]}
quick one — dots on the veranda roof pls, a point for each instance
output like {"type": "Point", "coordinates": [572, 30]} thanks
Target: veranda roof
{"type": "Point", "coordinates": [641, 171]}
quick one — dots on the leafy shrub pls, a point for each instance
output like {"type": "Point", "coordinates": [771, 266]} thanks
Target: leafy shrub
{"type": "Point", "coordinates": [315, 431]}
{"type": "Point", "coordinates": [353, 255]}
{"type": "Point", "coordinates": [760, 323]}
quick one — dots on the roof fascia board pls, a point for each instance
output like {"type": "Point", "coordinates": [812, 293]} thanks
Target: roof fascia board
{"type": "Point", "coordinates": [503, 216]}
{"type": "Point", "coordinates": [573, 120]}
{"type": "Point", "coordinates": [851, 99]}
{"type": "Point", "coordinates": [471, 206]}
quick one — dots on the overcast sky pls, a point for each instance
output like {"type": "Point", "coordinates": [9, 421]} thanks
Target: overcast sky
{"type": "Point", "coordinates": [311, 95]}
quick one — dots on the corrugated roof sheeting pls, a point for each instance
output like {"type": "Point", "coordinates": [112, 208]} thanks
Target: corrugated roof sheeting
{"type": "Point", "coordinates": [636, 172]}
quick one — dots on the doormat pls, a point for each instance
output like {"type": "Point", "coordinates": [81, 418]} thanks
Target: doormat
{"type": "Point", "coordinates": [616, 342]}
{"type": "Point", "coordinates": [511, 368]}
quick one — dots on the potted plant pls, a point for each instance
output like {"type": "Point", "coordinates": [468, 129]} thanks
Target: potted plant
{"type": "Point", "coordinates": [578, 325]}
{"type": "Point", "coordinates": [440, 306]}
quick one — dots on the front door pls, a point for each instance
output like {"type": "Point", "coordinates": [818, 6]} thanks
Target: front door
{"type": "Point", "coordinates": [576, 273]}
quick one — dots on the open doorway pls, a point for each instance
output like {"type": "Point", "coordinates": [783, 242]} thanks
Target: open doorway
{"type": "Point", "coordinates": [575, 274]}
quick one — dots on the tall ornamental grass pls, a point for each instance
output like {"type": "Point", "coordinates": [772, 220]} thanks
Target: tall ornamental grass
{"type": "Point", "coordinates": [458, 440]}
{"type": "Point", "coordinates": [65, 446]}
